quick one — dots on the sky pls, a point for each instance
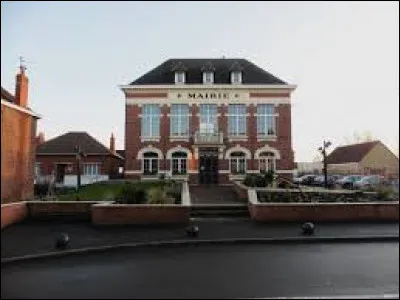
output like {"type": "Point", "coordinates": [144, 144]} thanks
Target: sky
{"type": "Point", "coordinates": [343, 57]}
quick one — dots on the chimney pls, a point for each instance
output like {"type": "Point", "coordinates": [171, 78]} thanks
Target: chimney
{"type": "Point", "coordinates": [40, 139]}
{"type": "Point", "coordinates": [21, 88]}
{"type": "Point", "coordinates": [112, 143]}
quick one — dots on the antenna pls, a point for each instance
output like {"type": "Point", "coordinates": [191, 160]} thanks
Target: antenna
{"type": "Point", "coordinates": [22, 65]}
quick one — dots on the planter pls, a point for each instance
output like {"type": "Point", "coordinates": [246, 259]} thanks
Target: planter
{"type": "Point", "coordinates": [112, 214]}
{"type": "Point", "coordinates": [80, 210]}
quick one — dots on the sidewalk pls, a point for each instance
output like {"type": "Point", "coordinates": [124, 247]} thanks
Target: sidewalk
{"type": "Point", "coordinates": [34, 237]}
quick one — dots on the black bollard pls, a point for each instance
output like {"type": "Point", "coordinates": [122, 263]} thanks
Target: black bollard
{"type": "Point", "coordinates": [308, 228]}
{"type": "Point", "coordinates": [62, 241]}
{"type": "Point", "coordinates": [192, 230]}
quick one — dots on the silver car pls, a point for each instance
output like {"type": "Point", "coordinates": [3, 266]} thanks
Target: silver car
{"type": "Point", "coordinates": [367, 182]}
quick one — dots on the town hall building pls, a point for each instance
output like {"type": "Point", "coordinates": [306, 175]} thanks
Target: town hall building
{"type": "Point", "coordinates": [207, 121]}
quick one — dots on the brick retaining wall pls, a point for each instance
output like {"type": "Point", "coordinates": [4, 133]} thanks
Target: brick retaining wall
{"type": "Point", "coordinates": [109, 214]}
{"type": "Point", "coordinates": [13, 213]}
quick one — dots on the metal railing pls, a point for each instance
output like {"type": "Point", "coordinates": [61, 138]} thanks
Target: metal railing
{"type": "Point", "coordinates": [208, 137]}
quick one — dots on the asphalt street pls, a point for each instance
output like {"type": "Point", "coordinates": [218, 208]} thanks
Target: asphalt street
{"type": "Point", "coordinates": [205, 271]}
{"type": "Point", "coordinates": [32, 237]}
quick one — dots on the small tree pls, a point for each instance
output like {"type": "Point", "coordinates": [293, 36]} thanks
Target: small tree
{"type": "Point", "coordinates": [269, 177]}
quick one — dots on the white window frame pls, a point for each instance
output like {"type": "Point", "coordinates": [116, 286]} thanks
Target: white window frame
{"type": "Point", "coordinates": [91, 168]}
{"type": "Point", "coordinates": [209, 117]}
{"type": "Point", "coordinates": [237, 117]}
{"type": "Point", "coordinates": [179, 162]}
{"type": "Point", "coordinates": [237, 160]}
{"type": "Point", "coordinates": [151, 159]}
{"type": "Point", "coordinates": [267, 159]}
{"type": "Point", "coordinates": [180, 77]}
{"type": "Point", "coordinates": [272, 115]}
{"type": "Point", "coordinates": [149, 118]}
{"type": "Point", "coordinates": [236, 77]}
{"type": "Point", "coordinates": [179, 116]}
{"type": "Point", "coordinates": [206, 79]}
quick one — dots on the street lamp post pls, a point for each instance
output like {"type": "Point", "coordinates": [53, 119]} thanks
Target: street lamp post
{"type": "Point", "coordinates": [79, 154]}
{"type": "Point", "coordinates": [322, 149]}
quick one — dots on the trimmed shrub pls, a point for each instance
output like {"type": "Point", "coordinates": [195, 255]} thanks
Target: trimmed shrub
{"type": "Point", "coordinates": [254, 180]}
{"type": "Point", "coordinates": [269, 178]}
{"type": "Point", "coordinates": [159, 196]}
{"type": "Point", "coordinates": [174, 190]}
{"type": "Point", "coordinates": [130, 194]}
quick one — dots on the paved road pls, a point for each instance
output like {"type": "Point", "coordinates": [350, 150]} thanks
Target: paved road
{"type": "Point", "coordinates": [232, 271]}
{"type": "Point", "coordinates": [38, 237]}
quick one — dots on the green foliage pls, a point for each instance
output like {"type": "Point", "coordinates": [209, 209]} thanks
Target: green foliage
{"type": "Point", "coordinates": [383, 193]}
{"type": "Point", "coordinates": [254, 180]}
{"type": "Point", "coordinates": [132, 194]}
{"type": "Point", "coordinates": [173, 189]}
{"type": "Point", "coordinates": [158, 195]}
{"type": "Point", "coordinates": [269, 177]}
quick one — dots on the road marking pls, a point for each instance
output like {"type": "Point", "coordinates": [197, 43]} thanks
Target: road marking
{"type": "Point", "coordinates": [384, 296]}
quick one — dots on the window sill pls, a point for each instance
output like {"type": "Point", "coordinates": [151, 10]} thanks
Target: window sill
{"type": "Point", "coordinates": [149, 177]}
{"type": "Point", "coordinates": [233, 138]}
{"type": "Point", "coordinates": [236, 176]}
{"type": "Point", "coordinates": [266, 138]}
{"type": "Point", "coordinates": [179, 138]}
{"type": "Point", "coordinates": [150, 139]}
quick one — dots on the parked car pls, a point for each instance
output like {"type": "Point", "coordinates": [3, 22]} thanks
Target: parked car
{"type": "Point", "coordinates": [305, 179]}
{"type": "Point", "coordinates": [369, 182]}
{"type": "Point", "coordinates": [331, 178]}
{"type": "Point", "coordinates": [347, 182]}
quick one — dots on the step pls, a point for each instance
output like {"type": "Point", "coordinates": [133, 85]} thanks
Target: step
{"type": "Point", "coordinates": [213, 213]}
{"type": "Point", "coordinates": [219, 206]}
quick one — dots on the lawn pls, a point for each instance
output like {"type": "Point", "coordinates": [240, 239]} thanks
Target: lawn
{"type": "Point", "coordinates": [102, 191]}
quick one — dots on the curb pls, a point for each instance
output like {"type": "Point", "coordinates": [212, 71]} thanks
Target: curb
{"type": "Point", "coordinates": [196, 242]}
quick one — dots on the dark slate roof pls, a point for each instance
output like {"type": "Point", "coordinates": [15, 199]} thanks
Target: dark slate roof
{"type": "Point", "coordinates": [66, 143]}
{"type": "Point", "coordinates": [7, 96]}
{"type": "Point", "coordinates": [164, 73]}
{"type": "Point", "coordinates": [350, 153]}
{"type": "Point", "coordinates": [121, 153]}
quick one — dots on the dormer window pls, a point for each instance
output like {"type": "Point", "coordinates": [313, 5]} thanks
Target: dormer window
{"type": "Point", "coordinates": [208, 77]}
{"type": "Point", "coordinates": [179, 77]}
{"type": "Point", "coordinates": [236, 77]}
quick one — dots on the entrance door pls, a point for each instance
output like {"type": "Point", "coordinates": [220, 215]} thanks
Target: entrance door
{"type": "Point", "coordinates": [208, 166]}
{"type": "Point", "coordinates": [60, 173]}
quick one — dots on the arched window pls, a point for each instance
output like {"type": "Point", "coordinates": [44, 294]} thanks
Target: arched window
{"type": "Point", "coordinates": [150, 163]}
{"type": "Point", "coordinates": [267, 161]}
{"type": "Point", "coordinates": [179, 163]}
{"type": "Point", "coordinates": [238, 162]}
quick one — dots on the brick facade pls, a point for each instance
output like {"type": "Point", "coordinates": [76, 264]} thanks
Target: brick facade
{"type": "Point", "coordinates": [109, 164]}
{"type": "Point", "coordinates": [18, 132]}
{"type": "Point", "coordinates": [133, 143]}
{"type": "Point", "coordinates": [256, 87]}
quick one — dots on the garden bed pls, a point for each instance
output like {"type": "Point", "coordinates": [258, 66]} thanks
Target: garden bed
{"type": "Point", "coordinates": [155, 209]}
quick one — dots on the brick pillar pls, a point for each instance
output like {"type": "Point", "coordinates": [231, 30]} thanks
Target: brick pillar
{"type": "Point", "coordinates": [194, 119]}
{"type": "Point", "coordinates": [132, 136]}
{"type": "Point", "coordinates": [223, 119]}
{"type": "Point", "coordinates": [252, 135]}
{"type": "Point", "coordinates": [164, 134]}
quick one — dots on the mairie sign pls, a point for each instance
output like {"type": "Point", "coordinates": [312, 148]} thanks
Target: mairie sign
{"type": "Point", "coordinates": [211, 95]}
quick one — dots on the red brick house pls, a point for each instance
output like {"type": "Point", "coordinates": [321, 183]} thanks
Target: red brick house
{"type": "Point", "coordinates": [56, 159]}
{"type": "Point", "coordinates": [208, 121]}
{"type": "Point", "coordinates": [18, 131]}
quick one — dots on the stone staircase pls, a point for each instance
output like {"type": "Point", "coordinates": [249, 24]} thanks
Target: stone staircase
{"type": "Point", "coordinates": [214, 201]}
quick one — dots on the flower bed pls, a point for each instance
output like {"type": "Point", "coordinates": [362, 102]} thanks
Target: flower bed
{"type": "Point", "coordinates": [313, 209]}
{"type": "Point", "coordinates": [144, 213]}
